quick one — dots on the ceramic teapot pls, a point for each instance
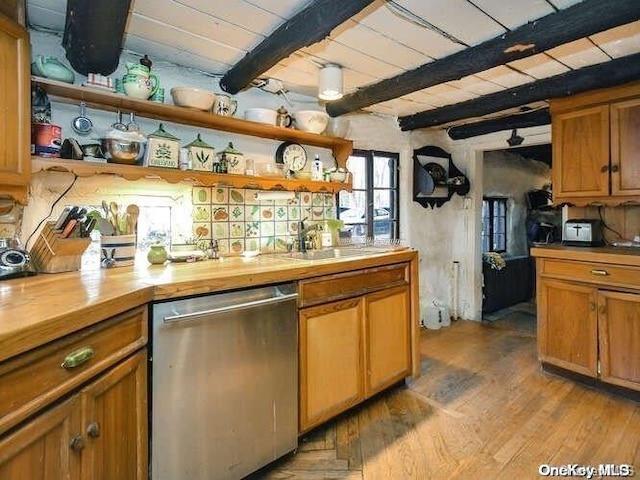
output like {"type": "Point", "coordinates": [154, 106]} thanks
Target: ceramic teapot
{"type": "Point", "coordinates": [51, 67]}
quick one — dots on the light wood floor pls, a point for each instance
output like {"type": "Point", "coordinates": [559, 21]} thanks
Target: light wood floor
{"type": "Point", "coordinates": [483, 409]}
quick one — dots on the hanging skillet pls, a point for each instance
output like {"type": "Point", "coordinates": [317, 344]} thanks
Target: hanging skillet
{"type": "Point", "coordinates": [82, 124]}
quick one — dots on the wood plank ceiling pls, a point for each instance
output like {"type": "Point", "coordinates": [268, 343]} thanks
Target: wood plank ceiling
{"type": "Point", "coordinates": [386, 39]}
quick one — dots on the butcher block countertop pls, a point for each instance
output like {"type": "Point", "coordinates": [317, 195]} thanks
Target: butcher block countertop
{"type": "Point", "coordinates": [628, 256]}
{"type": "Point", "coordinates": [39, 309]}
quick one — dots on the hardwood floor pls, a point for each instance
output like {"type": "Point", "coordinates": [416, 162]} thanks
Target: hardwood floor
{"type": "Point", "coordinates": [483, 409]}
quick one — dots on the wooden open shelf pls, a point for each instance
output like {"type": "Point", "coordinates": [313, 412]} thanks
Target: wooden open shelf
{"type": "Point", "coordinates": [171, 175]}
{"type": "Point", "coordinates": [67, 93]}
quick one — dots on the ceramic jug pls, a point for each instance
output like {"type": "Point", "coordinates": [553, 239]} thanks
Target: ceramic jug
{"type": "Point", "coordinates": [51, 67]}
{"type": "Point", "coordinates": [139, 82]}
{"type": "Point", "coordinates": [225, 105]}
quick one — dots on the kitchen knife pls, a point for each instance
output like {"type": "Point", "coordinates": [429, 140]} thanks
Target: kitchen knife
{"type": "Point", "coordinates": [70, 216]}
{"type": "Point", "coordinates": [68, 228]}
{"type": "Point", "coordinates": [62, 219]}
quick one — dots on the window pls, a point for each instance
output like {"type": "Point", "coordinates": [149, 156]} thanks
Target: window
{"type": "Point", "coordinates": [371, 209]}
{"type": "Point", "coordinates": [494, 224]}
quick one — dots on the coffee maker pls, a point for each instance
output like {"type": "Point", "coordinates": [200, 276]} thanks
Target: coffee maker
{"type": "Point", "coordinates": [15, 261]}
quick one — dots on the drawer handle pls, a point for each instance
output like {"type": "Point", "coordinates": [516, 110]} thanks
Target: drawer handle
{"type": "Point", "coordinates": [93, 430]}
{"type": "Point", "coordinates": [77, 443]}
{"type": "Point", "coordinates": [77, 357]}
{"type": "Point", "coordinates": [602, 273]}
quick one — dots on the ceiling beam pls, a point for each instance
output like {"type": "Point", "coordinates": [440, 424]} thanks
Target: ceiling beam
{"type": "Point", "coordinates": [94, 34]}
{"type": "Point", "coordinates": [578, 21]}
{"type": "Point", "coordinates": [520, 120]}
{"type": "Point", "coordinates": [309, 26]}
{"type": "Point", "coordinates": [603, 75]}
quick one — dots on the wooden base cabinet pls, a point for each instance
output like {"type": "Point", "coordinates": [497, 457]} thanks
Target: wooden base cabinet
{"type": "Point", "coordinates": [352, 348]}
{"type": "Point", "coordinates": [585, 325]}
{"type": "Point", "coordinates": [98, 434]}
{"type": "Point", "coordinates": [619, 333]}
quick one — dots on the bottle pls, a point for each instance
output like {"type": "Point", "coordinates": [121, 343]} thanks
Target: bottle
{"type": "Point", "coordinates": [316, 169]}
{"type": "Point", "coordinates": [326, 238]}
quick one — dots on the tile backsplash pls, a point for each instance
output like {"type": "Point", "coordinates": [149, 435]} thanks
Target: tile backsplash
{"type": "Point", "coordinates": [240, 221]}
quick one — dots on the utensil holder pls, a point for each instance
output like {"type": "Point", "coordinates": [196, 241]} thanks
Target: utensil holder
{"type": "Point", "coordinates": [53, 254]}
{"type": "Point", "coordinates": [117, 250]}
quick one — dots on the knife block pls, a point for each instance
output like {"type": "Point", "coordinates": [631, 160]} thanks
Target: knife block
{"type": "Point", "coordinates": [53, 254]}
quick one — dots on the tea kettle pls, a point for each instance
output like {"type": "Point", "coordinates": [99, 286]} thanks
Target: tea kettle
{"type": "Point", "coordinates": [51, 67]}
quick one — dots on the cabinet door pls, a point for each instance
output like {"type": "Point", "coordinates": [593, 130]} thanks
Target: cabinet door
{"type": "Point", "coordinates": [619, 332]}
{"type": "Point", "coordinates": [331, 377]}
{"type": "Point", "coordinates": [567, 326]}
{"type": "Point", "coordinates": [114, 420]}
{"type": "Point", "coordinates": [581, 153]}
{"type": "Point", "coordinates": [625, 148]}
{"type": "Point", "coordinates": [42, 449]}
{"type": "Point", "coordinates": [15, 111]}
{"type": "Point", "coordinates": [387, 339]}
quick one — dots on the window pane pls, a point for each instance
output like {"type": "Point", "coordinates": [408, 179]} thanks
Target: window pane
{"type": "Point", "coordinates": [357, 165]}
{"type": "Point", "coordinates": [382, 172]}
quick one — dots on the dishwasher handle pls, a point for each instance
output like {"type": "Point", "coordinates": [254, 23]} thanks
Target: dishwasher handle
{"type": "Point", "coordinates": [230, 308]}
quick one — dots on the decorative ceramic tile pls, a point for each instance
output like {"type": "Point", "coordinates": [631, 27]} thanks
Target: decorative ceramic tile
{"type": "Point", "coordinates": [281, 243]}
{"type": "Point", "coordinates": [236, 246]}
{"type": "Point", "coordinates": [220, 213]}
{"type": "Point", "coordinates": [251, 213]}
{"type": "Point", "coordinates": [305, 213]}
{"type": "Point", "coordinates": [201, 195]}
{"type": "Point", "coordinates": [293, 213]}
{"type": "Point", "coordinates": [252, 229]}
{"type": "Point", "coordinates": [295, 201]}
{"type": "Point", "coordinates": [267, 243]}
{"type": "Point", "coordinates": [281, 212]}
{"type": "Point", "coordinates": [281, 201]}
{"type": "Point", "coordinates": [237, 212]}
{"type": "Point", "coordinates": [266, 212]}
{"type": "Point", "coordinates": [236, 196]}
{"type": "Point", "coordinates": [236, 229]}
{"type": "Point", "coordinates": [223, 246]}
{"type": "Point", "coordinates": [267, 229]}
{"type": "Point", "coordinates": [220, 229]}
{"type": "Point", "coordinates": [293, 228]}
{"type": "Point", "coordinates": [329, 212]}
{"type": "Point", "coordinates": [202, 230]}
{"type": "Point", "coordinates": [317, 213]}
{"type": "Point", "coordinates": [252, 244]}
{"type": "Point", "coordinates": [305, 198]}
{"type": "Point", "coordinates": [220, 195]}
{"type": "Point", "coordinates": [281, 228]}
{"type": "Point", "coordinates": [201, 213]}
{"type": "Point", "coordinates": [317, 199]}
{"type": "Point", "coordinates": [250, 197]}
{"type": "Point", "coordinates": [329, 200]}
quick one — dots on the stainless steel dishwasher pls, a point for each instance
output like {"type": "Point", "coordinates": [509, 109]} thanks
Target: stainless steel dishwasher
{"type": "Point", "coordinates": [224, 383]}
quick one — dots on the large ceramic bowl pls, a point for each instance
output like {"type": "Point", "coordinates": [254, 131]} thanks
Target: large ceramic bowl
{"type": "Point", "coordinates": [262, 115]}
{"type": "Point", "coordinates": [193, 98]}
{"type": "Point", "coordinates": [312, 121]}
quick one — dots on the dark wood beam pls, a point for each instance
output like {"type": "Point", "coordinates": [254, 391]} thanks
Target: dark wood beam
{"type": "Point", "coordinates": [94, 34]}
{"type": "Point", "coordinates": [519, 120]}
{"type": "Point", "coordinates": [603, 75]}
{"type": "Point", "coordinates": [309, 26]}
{"type": "Point", "coordinates": [578, 21]}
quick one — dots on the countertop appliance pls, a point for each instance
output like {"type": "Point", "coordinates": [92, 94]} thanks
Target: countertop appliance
{"type": "Point", "coordinates": [584, 232]}
{"type": "Point", "coordinates": [224, 383]}
{"type": "Point", "coordinates": [15, 262]}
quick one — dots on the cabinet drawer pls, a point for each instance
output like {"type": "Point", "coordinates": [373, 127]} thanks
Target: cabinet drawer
{"type": "Point", "coordinates": [345, 285]}
{"type": "Point", "coordinates": [34, 379]}
{"type": "Point", "coordinates": [594, 273]}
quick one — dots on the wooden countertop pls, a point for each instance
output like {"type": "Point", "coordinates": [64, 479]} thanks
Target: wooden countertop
{"type": "Point", "coordinates": [612, 255]}
{"type": "Point", "coordinates": [39, 309]}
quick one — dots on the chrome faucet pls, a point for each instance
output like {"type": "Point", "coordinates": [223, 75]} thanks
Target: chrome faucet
{"type": "Point", "coordinates": [302, 234]}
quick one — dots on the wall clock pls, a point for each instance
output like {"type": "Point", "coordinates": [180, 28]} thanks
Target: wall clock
{"type": "Point", "coordinates": [292, 154]}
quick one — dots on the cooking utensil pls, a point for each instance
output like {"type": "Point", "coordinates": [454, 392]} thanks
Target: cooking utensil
{"type": "Point", "coordinates": [133, 211]}
{"type": "Point", "coordinates": [132, 126]}
{"type": "Point", "coordinates": [118, 125]}
{"type": "Point", "coordinates": [82, 124]}
{"type": "Point", "coordinates": [113, 212]}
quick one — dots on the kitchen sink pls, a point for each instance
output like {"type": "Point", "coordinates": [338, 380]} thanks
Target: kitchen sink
{"type": "Point", "coordinates": [329, 253]}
